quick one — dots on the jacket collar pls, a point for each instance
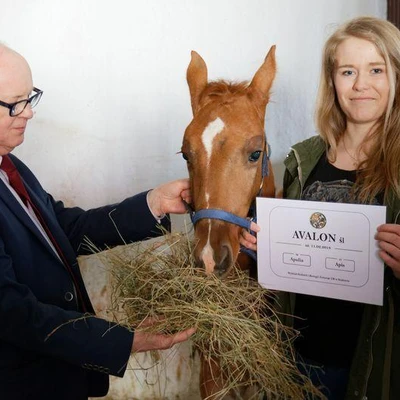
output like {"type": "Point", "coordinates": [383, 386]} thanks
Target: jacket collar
{"type": "Point", "coordinates": [303, 157]}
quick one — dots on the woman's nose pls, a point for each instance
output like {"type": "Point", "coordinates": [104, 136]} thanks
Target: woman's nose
{"type": "Point", "coordinates": [361, 82]}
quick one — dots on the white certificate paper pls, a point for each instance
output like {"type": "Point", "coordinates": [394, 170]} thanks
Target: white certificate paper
{"type": "Point", "coordinates": [322, 249]}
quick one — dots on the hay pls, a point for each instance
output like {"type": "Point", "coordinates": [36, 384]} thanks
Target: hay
{"type": "Point", "coordinates": [234, 319]}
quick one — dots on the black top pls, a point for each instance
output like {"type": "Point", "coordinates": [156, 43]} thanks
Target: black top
{"type": "Point", "coordinates": [328, 327]}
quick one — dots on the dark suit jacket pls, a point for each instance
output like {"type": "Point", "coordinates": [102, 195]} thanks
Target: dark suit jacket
{"type": "Point", "coordinates": [35, 297]}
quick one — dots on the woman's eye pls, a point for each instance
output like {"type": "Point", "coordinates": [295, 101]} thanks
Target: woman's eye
{"type": "Point", "coordinates": [377, 71]}
{"type": "Point", "coordinates": [254, 156]}
{"type": "Point", "coordinates": [348, 73]}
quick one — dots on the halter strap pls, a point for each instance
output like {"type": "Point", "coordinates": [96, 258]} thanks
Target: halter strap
{"type": "Point", "coordinates": [212, 213]}
{"type": "Point", "coordinates": [251, 253]}
{"type": "Point", "coordinates": [265, 167]}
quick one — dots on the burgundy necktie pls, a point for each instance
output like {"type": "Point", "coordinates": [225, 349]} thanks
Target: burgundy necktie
{"type": "Point", "coordinates": [16, 183]}
{"type": "Point", "coordinates": [15, 179]}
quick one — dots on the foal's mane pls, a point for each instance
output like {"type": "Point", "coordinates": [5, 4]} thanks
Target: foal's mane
{"type": "Point", "coordinates": [223, 91]}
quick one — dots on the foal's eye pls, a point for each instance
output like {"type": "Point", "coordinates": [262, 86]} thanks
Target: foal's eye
{"type": "Point", "coordinates": [185, 157]}
{"type": "Point", "coordinates": [254, 156]}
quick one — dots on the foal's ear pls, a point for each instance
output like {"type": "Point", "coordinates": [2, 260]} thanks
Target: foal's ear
{"type": "Point", "coordinates": [262, 81]}
{"type": "Point", "coordinates": [196, 76]}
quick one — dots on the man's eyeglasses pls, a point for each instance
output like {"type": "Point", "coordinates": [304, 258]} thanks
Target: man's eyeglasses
{"type": "Point", "coordinates": [19, 106]}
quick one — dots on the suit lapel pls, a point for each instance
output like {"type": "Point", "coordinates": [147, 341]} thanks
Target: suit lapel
{"type": "Point", "coordinates": [53, 225]}
{"type": "Point", "coordinates": [16, 208]}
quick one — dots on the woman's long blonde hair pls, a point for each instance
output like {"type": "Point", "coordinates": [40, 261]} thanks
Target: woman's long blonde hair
{"type": "Point", "coordinates": [381, 170]}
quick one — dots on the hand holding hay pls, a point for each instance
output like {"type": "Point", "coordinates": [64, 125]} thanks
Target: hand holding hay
{"type": "Point", "coordinates": [233, 317]}
{"type": "Point", "coordinates": [146, 340]}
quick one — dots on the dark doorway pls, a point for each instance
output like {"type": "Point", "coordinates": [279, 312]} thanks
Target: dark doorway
{"type": "Point", "coordinates": [393, 12]}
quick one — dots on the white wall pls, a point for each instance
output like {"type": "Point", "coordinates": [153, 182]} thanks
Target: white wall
{"type": "Point", "coordinates": [116, 102]}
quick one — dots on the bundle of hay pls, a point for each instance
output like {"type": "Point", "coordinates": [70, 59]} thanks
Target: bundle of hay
{"type": "Point", "coordinates": [234, 319]}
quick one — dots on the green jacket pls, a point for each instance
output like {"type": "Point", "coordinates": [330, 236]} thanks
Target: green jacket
{"type": "Point", "coordinates": [375, 370]}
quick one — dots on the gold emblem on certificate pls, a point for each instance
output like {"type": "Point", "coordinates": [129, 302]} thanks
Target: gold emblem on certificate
{"type": "Point", "coordinates": [318, 220]}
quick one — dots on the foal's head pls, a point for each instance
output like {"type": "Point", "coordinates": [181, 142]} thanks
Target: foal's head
{"type": "Point", "coordinates": [224, 147]}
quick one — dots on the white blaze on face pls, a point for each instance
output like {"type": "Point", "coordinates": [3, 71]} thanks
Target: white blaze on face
{"type": "Point", "coordinates": [210, 133]}
{"type": "Point", "coordinates": [207, 254]}
{"type": "Point", "coordinates": [212, 130]}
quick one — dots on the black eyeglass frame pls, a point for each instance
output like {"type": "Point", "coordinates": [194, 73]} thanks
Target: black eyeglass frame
{"type": "Point", "coordinates": [11, 106]}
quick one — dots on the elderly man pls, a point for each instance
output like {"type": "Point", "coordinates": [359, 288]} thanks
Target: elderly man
{"type": "Point", "coordinates": [43, 356]}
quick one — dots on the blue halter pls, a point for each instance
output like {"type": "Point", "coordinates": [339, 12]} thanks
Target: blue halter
{"type": "Point", "coordinates": [212, 213]}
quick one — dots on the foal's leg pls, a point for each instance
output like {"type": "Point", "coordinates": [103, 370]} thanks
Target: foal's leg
{"type": "Point", "coordinates": [211, 381]}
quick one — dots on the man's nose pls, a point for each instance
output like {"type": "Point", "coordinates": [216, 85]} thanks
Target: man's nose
{"type": "Point", "coordinates": [27, 113]}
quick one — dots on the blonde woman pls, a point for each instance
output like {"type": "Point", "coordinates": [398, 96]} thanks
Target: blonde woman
{"type": "Point", "coordinates": [353, 349]}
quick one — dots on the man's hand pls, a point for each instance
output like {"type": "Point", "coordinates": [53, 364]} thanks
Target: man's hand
{"type": "Point", "coordinates": [167, 198]}
{"type": "Point", "coordinates": [145, 341]}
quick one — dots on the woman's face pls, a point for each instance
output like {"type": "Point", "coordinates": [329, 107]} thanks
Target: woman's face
{"type": "Point", "coordinates": [361, 81]}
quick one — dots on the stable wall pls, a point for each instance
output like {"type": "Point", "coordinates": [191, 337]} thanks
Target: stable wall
{"type": "Point", "coordinates": [115, 101]}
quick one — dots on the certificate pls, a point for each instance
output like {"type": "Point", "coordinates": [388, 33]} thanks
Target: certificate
{"type": "Point", "coordinates": [321, 249]}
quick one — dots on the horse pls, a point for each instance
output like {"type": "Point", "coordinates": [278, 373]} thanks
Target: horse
{"type": "Point", "coordinates": [227, 157]}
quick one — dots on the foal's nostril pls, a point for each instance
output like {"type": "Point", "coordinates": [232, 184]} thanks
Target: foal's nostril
{"type": "Point", "coordinates": [225, 261]}
{"type": "Point", "coordinates": [199, 263]}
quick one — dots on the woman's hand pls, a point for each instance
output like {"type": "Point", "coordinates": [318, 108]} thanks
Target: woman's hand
{"type": "Point", "coordinates": [388, 237]}
{"type": "Point", "coordinates": [246, 239]}
{"type": "Point", "coordinates": [167, 198]}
